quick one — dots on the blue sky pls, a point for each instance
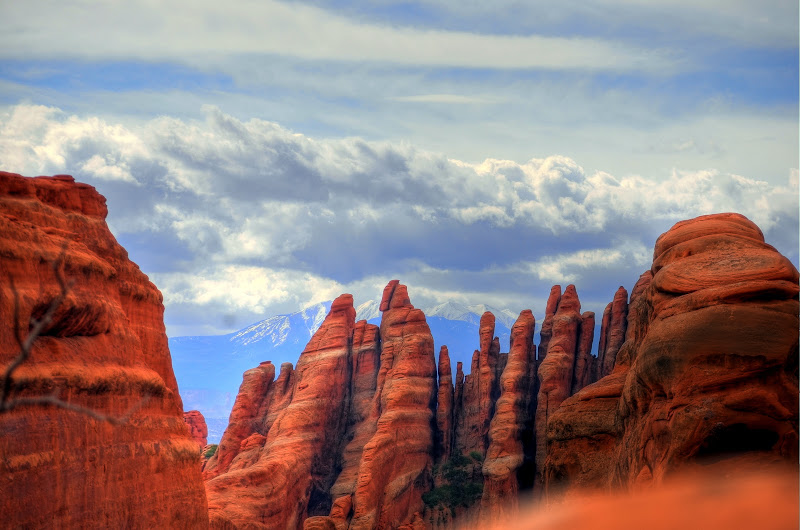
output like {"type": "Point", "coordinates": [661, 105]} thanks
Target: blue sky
{"type": "Point", "coordinates": [261, 156]}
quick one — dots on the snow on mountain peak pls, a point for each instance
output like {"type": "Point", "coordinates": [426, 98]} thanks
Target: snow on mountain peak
{"type": "Point", "coordinates": [368, 310]}
{"type": "Point", "coordinates": [471, 313]}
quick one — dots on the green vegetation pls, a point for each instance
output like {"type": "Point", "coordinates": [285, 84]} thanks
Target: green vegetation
{"type": "Point", "coordinates": [476, 456]}
{"type": "Point", "coordinates": [210, 451]}
{"type": "Point", "coordinates": [460, 489]}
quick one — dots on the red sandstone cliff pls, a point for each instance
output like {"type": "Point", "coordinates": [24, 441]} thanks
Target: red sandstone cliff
{"type": "Point", "coordinates": [290, 476]}
{"type": "Point", "coordinates": [708, 371]}
{"type": "Point", "coordinates": [396, 463]}
{"type": "Point", "coordinates": [479, 392]}
{"type": "Point", "coordinates": [346, 440]}
{"type": "Point", "coordinates": [673, 394]}
{"type": "Point", "coordinates": [613, 335]}
{"type": "Point", "coordinates": [556, 370]}
{"type": "Point", "coordinates": [105, 350]}
{"type": "Point", "coordinates": [444, 410]}
{"type": "Point", "coordinates": [506, 453]}
{"type": "Point", "coordinates": [197, 427]}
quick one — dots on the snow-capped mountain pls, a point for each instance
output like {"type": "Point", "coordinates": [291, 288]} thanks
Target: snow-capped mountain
{"type": "Point", "coordinates": [368, 310]}
{"type": "Point", "coordinates": [471, 313]}
{"type": "Point", "coordinates": [209, 368]}
{"type": "Point", "coordinates": [278, 329]}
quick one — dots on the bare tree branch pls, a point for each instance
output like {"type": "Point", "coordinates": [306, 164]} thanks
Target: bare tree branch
{"type": "Point", "coordinates": [36, 328]}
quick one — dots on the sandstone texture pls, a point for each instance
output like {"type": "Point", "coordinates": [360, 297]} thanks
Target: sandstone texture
{"type": "Point", "coordinates": [444, 410]}
{"type": "Point", "coordinates": [707, 375]}
{"type": "Point", "coordinates": [715, 376]}
{"type": "Point", "coordinates": [615, 321]}
{"type": "Point", "coordinates": [556, 371]}
{"type": "Point", "coordinates": [345, 440]}
{"type": "Point", "coordinates": [397, 461]}
{"type": "Point", "coordinates": [512, 418]}
{"type": "Point", "coordinates": [105, 350]}
{"type": "Point", "coordinates": [197, 427]}
{"type": "Point", "coordinates": [479, 393]}
{"type": "Point", "coordinates": [290, 476]}
{"type": "Point", "coordinates": [697, 369]}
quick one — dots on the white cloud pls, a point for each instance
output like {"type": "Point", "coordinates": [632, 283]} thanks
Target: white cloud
{"type": "Point", "coordinates": [572, 267]}
{"type": "Point", "coordinates": [252, 217]}
{"type": "Point", "coordinates": [446, 98]}
{"type": "Point", "coordinates": [234, 288]}
{"type": "Point", "coordinates": [261, 179]}
{"type": "Point", "coordinates": [203, 32]}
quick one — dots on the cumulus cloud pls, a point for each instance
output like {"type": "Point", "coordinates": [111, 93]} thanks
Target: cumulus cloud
{"type": "Point", "coordinates": [253, 216]}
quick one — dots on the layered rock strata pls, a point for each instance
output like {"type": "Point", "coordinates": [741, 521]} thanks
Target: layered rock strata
{"type": "Point", "coordinates": [296, 458]}
{"type": "Point", "coordinates": [104, 350]}
{"type": "Point", "coordinates": [349, 432]}
{"type": "Point", "coordinates": [197, 427]}
{"type": "Point", "coordinates": [708, 372]}
{"type": "Point", "coordinates": [556, 370]}
{"type": "Point", "coordinates": [396, 463]}
{"type": "Point", "coordinates": [479, 392]}
{"type": "Point", "coordinates": [507, 433]}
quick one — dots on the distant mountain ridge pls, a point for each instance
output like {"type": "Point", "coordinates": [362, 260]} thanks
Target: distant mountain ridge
{"type": "Point", "coordinates": [209, 368]}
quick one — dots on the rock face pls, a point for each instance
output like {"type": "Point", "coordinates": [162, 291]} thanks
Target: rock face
{"type": "Point", "coordinates": [197, 427]}
{"type": "Point", "coordinates": [707, 374]}
{"type": "Point", "coordinates": [105, 350]}
{"type": "Point", "coordinates": [507, 433]}
{"type": "Point", "coordinates": [444, 410]}
{"type": "Point", "coordinates": [296, 457]}
{"type": "Point", "coordinates": [699, 366]}
{"type": "Point", "coordinates": [615, 321]}
{"type": "Point", "coordinates": [396, 463]}
{"type": "Point", "coordinates": [346, 440]}
{"type": "Point", "coordinates": [479, 392]}
{"type": "Point", "coordinates": [556, 371]}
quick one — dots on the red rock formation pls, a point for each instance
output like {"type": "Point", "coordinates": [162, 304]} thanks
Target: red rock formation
{"type": "Point", "coordinates": [444, 410]}
{"type": "Point", "coordinates": [197, 427]}
{"type": "Point", "coordinates": [614, 335]}
{"type": "Point", "coordinates": [547, 324]}
{"type": "Point", "coordinates": [708, 371]}
{"type": "Point", "coordinates": [582, 434]}
{"type": "Point", "coordinates": [584, 362]}
{"type": "Point", "coordinates": [480, 392]}
{"type": "Point", "coordinates": [506, 454]}
{"type": "Point", "coordinates": [361, 426]}
{"type": "Point", "coordinates": [244, 416]}
{"type": "Point", "coordinates": [715, 375]}
{"type": "Point", "coordinates": [298, 459]}
{"type": "Point", "coordinates": [556, 369]}
{"type": "Point", "coordinates": [105, 350]}
{"type": "Point", "coordinates": [397, 461]}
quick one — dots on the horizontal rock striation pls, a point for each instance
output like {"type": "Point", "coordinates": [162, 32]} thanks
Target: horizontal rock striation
{"type": "Point", "coordinates": [707, 375]}
{"type": "Point", "coordinates": [105, 350]}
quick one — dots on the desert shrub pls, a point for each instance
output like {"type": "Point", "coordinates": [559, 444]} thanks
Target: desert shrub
{"type": "Point", "coordinates": [210, 451]}
{"type": "Point", "coordinates": [460, 489]}
{"type": "Point", "coordinates": [476, 456]}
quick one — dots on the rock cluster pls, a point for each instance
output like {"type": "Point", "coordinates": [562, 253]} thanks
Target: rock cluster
{"type": "Point", "coordinates": [707, 374]}
{"type": "Point", "coordinates": [197, 427]}
{"type": "Point", "coordinates": [104, 350]}
{"type": "Point", "coordinates": [346, 440]}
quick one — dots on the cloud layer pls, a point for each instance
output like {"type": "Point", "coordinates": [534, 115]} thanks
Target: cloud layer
{"type": "Point", "coordinates": [247, 218]}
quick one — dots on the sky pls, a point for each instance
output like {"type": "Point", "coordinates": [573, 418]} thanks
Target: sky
{"type": "Point", "coordinates": [260, 156]}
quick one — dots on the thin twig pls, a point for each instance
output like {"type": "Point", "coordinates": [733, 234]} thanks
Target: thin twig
{"type": "Point", "coordinates": [56, 402]}
{"type": "Point", "coordinates": [36, 328]}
